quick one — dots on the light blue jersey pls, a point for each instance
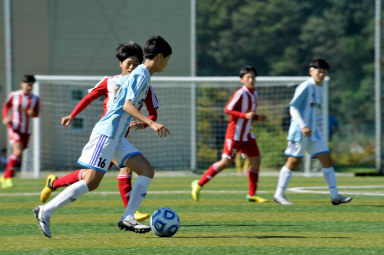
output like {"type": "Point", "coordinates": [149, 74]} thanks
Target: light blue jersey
{"type": "Point", "coordinates": [307, 100]}
{"type": "Point", "coordinates": [133, 87]}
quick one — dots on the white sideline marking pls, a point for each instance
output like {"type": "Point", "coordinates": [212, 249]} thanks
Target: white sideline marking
{"type": "Point", "coordinates": [307, 190]}
{"type": "Point", "coordinates": [166, 192]}
{"type": "Point", "coordinates": [318, 190]}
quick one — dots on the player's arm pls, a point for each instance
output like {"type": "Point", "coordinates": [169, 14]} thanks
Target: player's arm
{"type": "Point", "coordinates": [99, 90]}
{"type": "Point", "coordinates": [34, 112]}
{"type": "Point", "coordinates": [298, 101]}
{"type": "Point", "coordinates": [131, 109]}
{"type": "Point", "coordinates": [6, 108]}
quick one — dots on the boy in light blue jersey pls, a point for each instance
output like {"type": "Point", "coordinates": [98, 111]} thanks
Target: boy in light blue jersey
{"type": "Point", "coordinates": [107, 142]}
{"type": "Point", "coordinates": [304, 134]}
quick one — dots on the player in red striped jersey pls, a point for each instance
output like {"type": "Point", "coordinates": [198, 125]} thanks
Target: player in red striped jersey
{"type": "Point", "coordinates": [130, 56]}
{"type": "Point", "coordinates": [23, 106]}
{"type": "Point", "coordinates": [239, 136]}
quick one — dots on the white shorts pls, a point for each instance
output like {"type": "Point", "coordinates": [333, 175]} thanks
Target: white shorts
{"type": "Point", "coordinates": [101, 150]}
{"type": "Point", "coordinates": [314, 148]}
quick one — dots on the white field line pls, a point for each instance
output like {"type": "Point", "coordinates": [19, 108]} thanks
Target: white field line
{"type": "Point", "coordinates": [307, 190]}
{"type": "Point", "coordinates": [324, 190]}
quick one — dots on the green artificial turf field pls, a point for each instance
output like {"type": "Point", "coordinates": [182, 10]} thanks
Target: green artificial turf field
{"type": "Point", "coordinates": [222, 222]}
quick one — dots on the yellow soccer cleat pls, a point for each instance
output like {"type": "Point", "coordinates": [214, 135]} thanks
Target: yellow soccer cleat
{"type": "Point", "coordinates": [6, 183]}
{"type": "Point", "coordinates": [256, 199]}
{"type": "Point", "coordinates": [141, 216]}
{"type": "Point", "coordinates": [195, 190]}
{"type": "Point", "coordinates": [48, 188]}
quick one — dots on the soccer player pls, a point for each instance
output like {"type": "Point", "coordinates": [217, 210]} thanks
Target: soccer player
{"type": "Point", "coordinates": [304, 134]}
{"type": "Point", "coordinates": [239, 136]}
{"type": "Point", "coordinates": [107, 142]}
{"type": "Point", "coordinates": [130, 55]}
{"type": "Point", "coordinates": [23, 106]}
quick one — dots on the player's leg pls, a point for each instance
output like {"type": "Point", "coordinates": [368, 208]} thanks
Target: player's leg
{"type": "Point", "coordinates": [253, 179]}
{"type": "Point", "coordinates": [229, 152]}
{"type": "Point", "coordinates": [12, 164]}
{"type": "Point", "coordinates": [330, 178]}
{"type": "Point", "coordinates": [211, 172]}
{"type": "Point", "coordinates": [53, 182]}
{"type": "Point", "coordinates": [43, 213]}
{"type": "Point", "coordinates": [96, 154]}
{"type": "Point", "coordinates": [142, 167]}
{"type": "Point", "coordinates": [124, 181]}
{"type": "Point", "coordinates": [295, 152]}
{"type": "Point", "coordinates": [252, 152]}
{"type": "Point", "coordinates": [284, 178]}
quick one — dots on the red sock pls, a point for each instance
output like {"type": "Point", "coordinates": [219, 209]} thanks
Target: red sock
{"type": "Point", "coordinates": [13, 162]}
{"type": "Point", "coordinates": [208, 175]}
{"type": "Point", "coordinates": [124, 182]}
{"type": "Point", "coordinates": [68, 179]}
{"type": "Point", "coordinates": [253, 178]}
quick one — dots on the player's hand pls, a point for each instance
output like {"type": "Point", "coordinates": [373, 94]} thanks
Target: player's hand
{"type": "Point", "coordinates": [30, 112]}
{"type": "Point", "coordinates": [6, 121]}
{"type": "Point", "coordinates": [250, 115]}
{"type": "Point", "coordinates": [65, 121]}
{"type": "Point", "coordinates": [160, 129]}
{"type": "Point", "coordinates": [136, 125]}
{"type": "Point", "coordinates": [307, 132]}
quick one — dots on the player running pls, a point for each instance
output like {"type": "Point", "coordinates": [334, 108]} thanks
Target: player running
{"type": "Point", "coordinates": [107, 142]}
{"type": "Point", "coordinates": [130, 56]}
{"type": "Point", "coordinates": [304, 134]}
{"type": "Point", "coordinates": [23, 106]}
{"type": "Point", "coordinates": [239, 136]}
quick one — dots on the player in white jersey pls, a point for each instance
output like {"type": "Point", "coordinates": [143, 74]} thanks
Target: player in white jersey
{"type": "Point", "coordinates": [304, 134]}
{"type": "Point", "coordinates": [23, 106]}
{"type": "Point", "coordinates": [107, 142]}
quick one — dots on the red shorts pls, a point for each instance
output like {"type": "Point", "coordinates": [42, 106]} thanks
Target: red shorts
{"type": "Point", "coordinates": [18, 137]}
{"type": "Point", "coordinates": [249, 148]}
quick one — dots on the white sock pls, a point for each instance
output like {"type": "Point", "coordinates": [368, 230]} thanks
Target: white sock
{"type": "Point", "coordinates": [70, 194]}
{"type": "Point", "coordinates": [138, 193]}
{"type": "Point", "coordinates": [329, 176]}
{"type": "Point", "coordinates": [284, 178]}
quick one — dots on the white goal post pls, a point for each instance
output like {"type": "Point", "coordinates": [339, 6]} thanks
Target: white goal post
{"type": "Point", "coordinates": [189, 106]}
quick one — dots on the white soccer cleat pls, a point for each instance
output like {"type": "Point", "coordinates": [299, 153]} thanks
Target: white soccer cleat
{"type": "Point", "coordinates": [130, 224]}
{"type": "Point", "coordinates": [281, 199]}
{"type": "Point", "coordinates": [341, 200]}
{"type": "Point", "coordinates": [42, 221]}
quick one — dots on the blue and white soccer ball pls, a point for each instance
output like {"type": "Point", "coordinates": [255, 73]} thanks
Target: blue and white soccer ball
{"type": "Point", "coordinates": [165, 222]}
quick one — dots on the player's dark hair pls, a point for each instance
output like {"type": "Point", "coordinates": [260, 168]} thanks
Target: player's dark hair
{"type": "Point", "coordinates": [319, 63]}
{"type": "Point", "coordinates": [28, 78]}
{"type": "Point", "coordinates": [247, 69]}
{"type": "Point", "coordinates": [126, 50]}
{"type": "Point", "coordinates": [155, 45]}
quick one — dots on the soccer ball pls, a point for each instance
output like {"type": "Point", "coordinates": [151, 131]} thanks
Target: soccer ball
{"type": "Point", "coordinates": [165, 222]}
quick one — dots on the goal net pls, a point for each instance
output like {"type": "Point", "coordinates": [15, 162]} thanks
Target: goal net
{"type": "Point", "coordinates": [191, 107]}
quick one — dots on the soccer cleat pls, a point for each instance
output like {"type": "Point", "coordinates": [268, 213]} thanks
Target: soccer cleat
{"type": "Point", "coordinates": [48, 188]}
{"type": "Point", "coordinates": [341, 200]}
{"type": "Point", "coordinates": [42, 221]}
{"type": "Point", "coordinates": [256, 199]}
{"type": "Point", "coordinates": [129, 224]}
{"type": "Point", "coordinates": [141, 216]}
{"type": "Point", "coordinates": [195, 190]}
{"type": "Point", "coordinates": [281, 199]}
{"type": "Point", "coordinates": [6, 183]}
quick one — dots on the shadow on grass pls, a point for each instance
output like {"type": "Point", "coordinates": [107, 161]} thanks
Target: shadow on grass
{"type": "Point", "coordinates": [238, 225]}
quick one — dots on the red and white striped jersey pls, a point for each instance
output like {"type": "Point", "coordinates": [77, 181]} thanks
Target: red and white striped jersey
{"type": "Point", "coordinates": [107, 87]}
{"type": "Point", "coordinates": [239, 128]}
{"type": "Point", "coordinates": [19, 104]}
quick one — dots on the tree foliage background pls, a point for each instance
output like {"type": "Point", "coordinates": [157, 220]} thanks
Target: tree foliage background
{"type": "Point", "coordinates": [280, 37]}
